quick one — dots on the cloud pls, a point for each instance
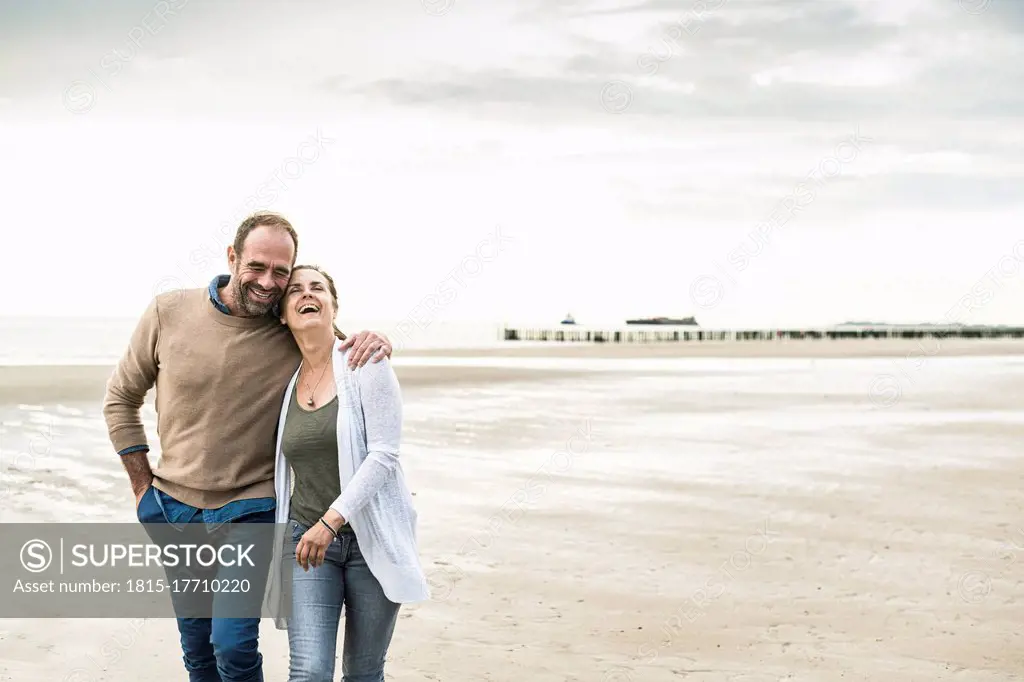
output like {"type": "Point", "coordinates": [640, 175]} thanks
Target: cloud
{"type": "Point", "coordinates": [652, 116]}
{"type": "Point", "coordinates": [770, 60]}
{"type": "Point", "coordinates": [953, 191]}
{"type": "Point", "coordinates": [1008, 16]}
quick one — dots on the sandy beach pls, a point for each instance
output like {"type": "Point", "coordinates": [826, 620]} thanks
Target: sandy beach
{"type": "Point", "coordinates": [802, 511]}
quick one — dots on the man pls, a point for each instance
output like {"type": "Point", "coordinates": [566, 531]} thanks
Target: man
{"type": "Point", "coordinates": [220, 360]}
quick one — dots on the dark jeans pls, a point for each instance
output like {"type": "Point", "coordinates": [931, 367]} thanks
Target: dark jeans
{"type": "Point", "coordinates": [317, 598]}
{"type": "Point", "coordinates": [215, 649]}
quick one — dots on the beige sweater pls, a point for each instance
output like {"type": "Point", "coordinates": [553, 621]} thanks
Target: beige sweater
{"type": "Point", "coordinates": [219, 383]}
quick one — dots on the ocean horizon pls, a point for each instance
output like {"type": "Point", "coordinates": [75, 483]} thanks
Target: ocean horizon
{"type": "Point", "coordinates": [102, 340]}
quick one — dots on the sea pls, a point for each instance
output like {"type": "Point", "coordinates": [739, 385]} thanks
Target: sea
{"type": "Point", "coordinates": [101, 341]}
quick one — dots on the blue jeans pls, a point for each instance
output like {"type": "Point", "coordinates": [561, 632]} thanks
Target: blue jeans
{"type": "Point", "coordinates": [317, 597]}
{"type": "Point", "coordinates": [215, 649]}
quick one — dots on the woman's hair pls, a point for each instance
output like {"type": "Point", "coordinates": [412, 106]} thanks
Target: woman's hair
{"type": "Point", "coordinates": [330, 285]}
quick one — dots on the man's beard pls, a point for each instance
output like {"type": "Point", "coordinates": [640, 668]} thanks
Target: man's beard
{"type": "Point", "coordinates": [250, 306]}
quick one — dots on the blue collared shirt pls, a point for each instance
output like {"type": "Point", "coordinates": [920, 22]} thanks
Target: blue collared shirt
{"type": "Point", "coordinates": [215, 284]}
{"type": "Point", "coordinates": [179, 512]}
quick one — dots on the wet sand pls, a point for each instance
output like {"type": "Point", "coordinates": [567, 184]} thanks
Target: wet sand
{"type": "Point", "coordinates": [778, 520]}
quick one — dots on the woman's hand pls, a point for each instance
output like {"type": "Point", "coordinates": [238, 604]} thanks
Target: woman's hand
{"type": "Point", "coordinates": [313, 546]}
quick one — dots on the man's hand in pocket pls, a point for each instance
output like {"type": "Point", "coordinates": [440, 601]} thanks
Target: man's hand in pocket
{"type": "Point", "coordinates": [140, 495]}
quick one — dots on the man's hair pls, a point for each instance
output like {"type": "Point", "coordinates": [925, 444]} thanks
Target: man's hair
{"type": "Point", "coordinates": [330, 286]}
{"type": "Point", "coordinates": [268, 219]}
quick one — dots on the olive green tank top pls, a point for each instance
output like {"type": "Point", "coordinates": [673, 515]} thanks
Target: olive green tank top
{"type": "Point", "coordinates": [310, 446]}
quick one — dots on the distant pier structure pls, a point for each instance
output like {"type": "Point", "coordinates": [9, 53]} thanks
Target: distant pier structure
{"type": "Point", "coordinates": [686, 334]}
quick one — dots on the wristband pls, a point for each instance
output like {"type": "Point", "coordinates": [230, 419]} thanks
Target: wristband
{"type": "Point", "coordinates": [328, 526]}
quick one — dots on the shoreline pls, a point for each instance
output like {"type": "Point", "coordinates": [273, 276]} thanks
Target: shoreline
{"type": "Point", "coordinates": [35, 384]}
{"type": "Point", "coordinates": [798, 348]}
{"type": "Point", "coordinates": [86, 383]}
{"type": "Point", "coordinates": [824, 348]}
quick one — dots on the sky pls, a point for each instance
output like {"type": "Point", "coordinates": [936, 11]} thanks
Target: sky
{"type": "Point", "coordinates": [748, 162]}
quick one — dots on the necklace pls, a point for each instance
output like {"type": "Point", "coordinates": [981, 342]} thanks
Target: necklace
{"type": "Point", "coordinates": [313, 391]}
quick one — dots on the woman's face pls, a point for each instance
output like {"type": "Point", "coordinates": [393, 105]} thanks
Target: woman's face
{"type": "Point", "coordinates": [307, 301]}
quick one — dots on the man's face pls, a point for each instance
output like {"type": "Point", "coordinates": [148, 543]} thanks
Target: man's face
{"type": "Point", "coordinates": [260, 273]}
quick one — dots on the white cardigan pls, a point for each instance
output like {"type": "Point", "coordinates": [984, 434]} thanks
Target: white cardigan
{"type": "Point", "coordinates": [375, 499]}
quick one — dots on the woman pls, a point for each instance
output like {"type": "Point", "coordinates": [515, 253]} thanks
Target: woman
{"type": "Point", "coordinates": [349, 515]}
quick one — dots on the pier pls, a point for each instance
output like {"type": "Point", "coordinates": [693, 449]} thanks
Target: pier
{"type": "Point", "coordinates": [690, 334]}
